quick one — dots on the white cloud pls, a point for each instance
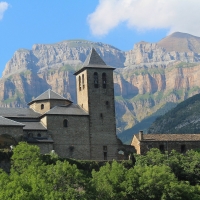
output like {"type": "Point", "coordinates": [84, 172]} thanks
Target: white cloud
{"type": "Point", "coordinates": [3, 8]}
{"type": "Point", "coordinates": [175, 15]}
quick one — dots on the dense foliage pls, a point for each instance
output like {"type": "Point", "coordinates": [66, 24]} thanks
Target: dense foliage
{"type": "Point", "coordinates": [155, 176]}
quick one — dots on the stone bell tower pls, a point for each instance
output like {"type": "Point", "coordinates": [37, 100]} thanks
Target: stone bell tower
{"type": "Point", "coordinates": [95, 94]}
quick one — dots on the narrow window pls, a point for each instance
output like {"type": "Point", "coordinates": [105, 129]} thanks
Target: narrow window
{"type": "Point", "coordinates": [96, 82]}
{"type": "Point", "coordinates": [104, 148]}
{"type": "Point", "coordinates": [107, 103]}
{"type": "Point", "coordinates": [101, 115]}
{"type": "Point", "coordinates": [79, 82]}
{"type": "Point", "coordinates": [42, 106]}
{"type": "Point", "coordinates": [30, 135]}
{"type": "Point", "coordinates": [65, 123]}
{"type": "Point", "coordinates": [83, 84]}
{"type": "Point", "coordinates": [183, 148]}
{"type": "Point", "coordinates": [38, 135]}
{"type": "Point", "coordinates": [104, 80]}
{"type": "Point", "coordinates": [162, 148]}
{"type": "Point", "coordinates": [105, 155]}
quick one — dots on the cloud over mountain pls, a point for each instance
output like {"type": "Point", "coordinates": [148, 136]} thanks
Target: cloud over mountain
{"type": "Point", "coordinates": [175, 15]}
{"type": "Point", "coordinates": [3, 8]}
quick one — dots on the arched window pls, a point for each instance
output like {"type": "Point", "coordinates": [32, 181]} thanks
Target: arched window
{"type": "Point", "coordinates": [104, 80]}
{"type": "Point", "coordinates": [79, 82]}
{"type": "Point", "coordinates": [83, 81]}
{"type": "Point", "coordinates": [39, 135]}
{"type": "Point", "coordinates": [42, 106]}
{"type": "Point", "coordinates": [65, 123]}
{"type": "Point", "coordinates": [96, 81]}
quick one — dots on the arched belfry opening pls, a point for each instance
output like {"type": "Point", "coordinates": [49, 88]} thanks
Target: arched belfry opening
{"type": "Point", "coordinates": [104, 80]}
{"type": "Point", "coordinates": [96, 81]}
{"type": "Point", "coordinates": [79, 82]}
{"type": "Point", "coordinates": [65, 123]}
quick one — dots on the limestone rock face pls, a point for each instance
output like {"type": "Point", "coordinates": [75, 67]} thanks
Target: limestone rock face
{"type": "Point", "coordinates": [152, 53]}
{"type": "Point", "coordinates": [71, 52]}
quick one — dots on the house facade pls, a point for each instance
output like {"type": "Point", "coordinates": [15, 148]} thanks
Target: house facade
{"type": "Point", "coordinates": [165, 142]}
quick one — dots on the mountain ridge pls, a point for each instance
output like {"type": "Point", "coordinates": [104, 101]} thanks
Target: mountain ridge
{"type": "Point", "coordinates": [148, 79]}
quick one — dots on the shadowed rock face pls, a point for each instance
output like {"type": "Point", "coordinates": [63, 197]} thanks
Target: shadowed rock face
{"type": "Point", "coordinates": [149, 80]}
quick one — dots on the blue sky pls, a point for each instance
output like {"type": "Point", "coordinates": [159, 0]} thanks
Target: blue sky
{"type": "Point", "coordinates": [120, 23]}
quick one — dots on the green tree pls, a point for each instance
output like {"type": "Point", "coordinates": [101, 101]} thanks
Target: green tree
{"type": "Point", "coordinates": [155, 182]}
{"type": "Point", "coordinates": [107, 181]}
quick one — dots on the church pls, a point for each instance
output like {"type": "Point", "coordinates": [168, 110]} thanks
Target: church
{"type": "Point", "coordinates": [86, 130]}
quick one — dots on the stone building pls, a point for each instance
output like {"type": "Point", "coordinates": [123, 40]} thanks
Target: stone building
{"type": "Point", "coordinates": [165, 142]}
{"type": "Point", "coordinates": [83, 131]}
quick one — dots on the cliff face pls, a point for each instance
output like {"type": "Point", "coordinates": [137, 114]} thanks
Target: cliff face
{"type": "Point", "coordinates": [71, 52]}
{"type": "Point", "coordinates": [149, 80]}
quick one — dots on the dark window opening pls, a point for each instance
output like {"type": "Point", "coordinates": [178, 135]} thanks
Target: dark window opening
{"type": "Point", "coordinates": [162, 148]}
{"type": "Point", "coordinates": [42, 106]}
{"type": "Point", "coordinates": [83, 84]}
{"type": "Point", "coordinates": [96, 81]}
{"type": "Point", "coordinates": [38, 135]}
{"type": "Point", "coordinates": [30, 135]}
{"type": "Point", "coordinates": [71, 148]}
{"type": "Point", "coordinates": [183, 148]}
{"type": "Point", "coordinates": [107, 103]}
{"type": "Point", "coordinates": [104, 80]}
{"type": "Point", "coordinates": [65, 123]}
{"type": "Point", "coordinates": [104, 148]}
{"type": "Point", "coordinates": [105, 155]}
{"type": "Point", "coordinates": [101, 115]}
{"type": "Point", "coordinates": [79, 83]}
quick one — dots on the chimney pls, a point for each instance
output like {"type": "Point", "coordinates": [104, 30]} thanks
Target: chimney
{"type": "Point", "coordinates": [140, 135]}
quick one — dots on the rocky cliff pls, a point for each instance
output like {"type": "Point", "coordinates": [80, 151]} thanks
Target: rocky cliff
{"type": "Point", "coordinates": [149, 80]}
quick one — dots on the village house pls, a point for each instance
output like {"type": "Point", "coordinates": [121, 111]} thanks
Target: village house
{"type": "Point", "coordinates": [165, 142]}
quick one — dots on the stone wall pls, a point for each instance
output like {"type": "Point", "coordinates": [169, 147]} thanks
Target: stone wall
{"type": "Point", "coordinates": [45, 148]}
{"type": "Point", "coordinates": [179, 146]}
{"type": "Point", "coordinates": [104, 143]}
{"type": "Point", "coordinates": [14, 131]}
{"type": "Point", "coordinates": [47, 105]}
{"type": "Point", "coordinates": [71, 141]}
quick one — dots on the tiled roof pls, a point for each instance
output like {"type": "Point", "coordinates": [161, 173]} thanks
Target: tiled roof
{"type": "Point", "coordinates": [8, 122]}
{"type": "Point", "coordinates": [170, 137]}
{"type": "Point", "coordinates": [34, 126]}
{"type": "Point", "coordinates": [19, 113]}
{"type": "Point", "coordinates": [93, 61]}
{"type": "Point", "coordinates": [49, 94]}
{"type": "Point", "coordinates": [67, 110]}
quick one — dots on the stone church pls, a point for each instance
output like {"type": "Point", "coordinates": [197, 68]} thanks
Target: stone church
{"type": "Point", "coordinates": [83, 131]}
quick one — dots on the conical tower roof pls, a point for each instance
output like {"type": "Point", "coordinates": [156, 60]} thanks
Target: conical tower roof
{"type": "Point", "coordinates": [93, 61]}
{"type": "Point", "coordinates": [48, 95]}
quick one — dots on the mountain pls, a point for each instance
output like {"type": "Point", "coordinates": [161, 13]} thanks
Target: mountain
{"type": "Point", "coordinates": [181, 42]}
{"type": "Point", "coordinates": [150, 79]}
{"type": "Point", "coordinates": [184, 118]}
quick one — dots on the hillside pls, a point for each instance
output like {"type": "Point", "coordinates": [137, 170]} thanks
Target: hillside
{"type": "Point", "coordinates": [149, 79]}
{"type": "Point", "coordinates": [184, 118]}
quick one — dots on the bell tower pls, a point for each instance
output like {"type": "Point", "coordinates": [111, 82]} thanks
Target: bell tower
{"type": "Point", "coordinates": [95, 94]}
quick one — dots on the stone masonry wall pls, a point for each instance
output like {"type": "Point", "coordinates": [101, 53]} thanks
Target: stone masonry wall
{"type": "Point", "coordinates": [82, 90]}
{"type": "Point", "coordinates": [48, 104]}
{"type": "Point", "coordinates": [168, 146]}
{"type": "Point", "coordinates": [104, 143]}
{"type": "Point", "coordinates": [72, 141]}
{"type": "Point", "coordinates": [14, 131]}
